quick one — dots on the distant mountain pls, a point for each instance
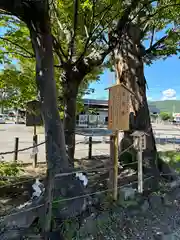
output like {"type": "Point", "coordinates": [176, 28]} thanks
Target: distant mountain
{"type": "Point", "coordinates": [167, 105]}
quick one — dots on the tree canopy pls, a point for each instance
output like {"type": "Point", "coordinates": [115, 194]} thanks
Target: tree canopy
{"type": "Point", "coordinates": [80, 30]}
{"type": "Point", "coordinates": [22, 81]}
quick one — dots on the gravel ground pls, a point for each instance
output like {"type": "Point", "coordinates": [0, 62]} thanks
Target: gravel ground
{"type": "Point", "coordinates": [161, 223]}
{"type": "Point", "coordinates": [153, 223]}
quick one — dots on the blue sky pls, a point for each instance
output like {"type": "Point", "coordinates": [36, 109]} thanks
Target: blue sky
{"type": "Point", "coordinates": [163, 78]}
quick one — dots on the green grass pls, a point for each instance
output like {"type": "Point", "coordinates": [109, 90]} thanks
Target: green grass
{"type": "Point", "coordinates": [9, 169]}
{"type": "Point", "coordinates": [172, 157]}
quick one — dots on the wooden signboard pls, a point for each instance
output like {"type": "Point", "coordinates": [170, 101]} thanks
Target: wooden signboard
{"type": "Point", "coordinates": [33, 114]}
{"type": "Point", "coordinates": [119, 108]}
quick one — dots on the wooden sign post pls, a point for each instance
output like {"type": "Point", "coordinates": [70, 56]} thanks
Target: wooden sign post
{"type": "Point", "coordinates": [118, 119]}
{"type": "Point", "coordinates": [34, 118]}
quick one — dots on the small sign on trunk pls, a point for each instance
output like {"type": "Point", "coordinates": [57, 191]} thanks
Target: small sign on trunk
{"type": "Point", "coordinates": [33, 114]}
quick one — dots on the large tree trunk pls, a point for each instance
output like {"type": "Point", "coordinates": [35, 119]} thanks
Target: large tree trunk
{"type": "Point", "coordinates": [56, 150]}
{"type": "Point", "coordinates": [42, 44]}
{"type": "Point", "coordinates": [128, 59]}
{"type": "Point", "coordinates": [70, 98]}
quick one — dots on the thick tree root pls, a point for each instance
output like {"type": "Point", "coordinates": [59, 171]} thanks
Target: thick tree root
{"type": "Point", "coordinates": [16, 224]}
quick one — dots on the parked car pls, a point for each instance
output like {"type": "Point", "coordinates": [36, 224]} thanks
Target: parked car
{"type": "Point", "coordinates": [20, 120]}
{"type": "Point", "coordinates": [11, 114]}
{"type": "Point", "coordinates": [2, 119]}
{"type": "Point", "coordinates": [6, 117]}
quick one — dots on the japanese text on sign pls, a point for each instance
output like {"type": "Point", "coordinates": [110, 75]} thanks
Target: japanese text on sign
{"type": "Point", "coordinates": [118, 115]}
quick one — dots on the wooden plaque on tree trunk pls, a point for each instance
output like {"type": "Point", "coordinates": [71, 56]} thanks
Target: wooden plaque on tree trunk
{"type": "Point", "coordinates": [33, 114]}
{"type": "Point", "coordinates": [118, 111]}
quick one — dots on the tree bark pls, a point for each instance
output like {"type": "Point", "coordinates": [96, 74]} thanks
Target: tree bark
{"type": "Point", "coordinates": [133, 77]}
{"type": "Point", "coordinates": [56, 150]}
{"type": "Point", "coordinates": [42, 44]}
{"type": "Point", "coordinates": [70, 98]}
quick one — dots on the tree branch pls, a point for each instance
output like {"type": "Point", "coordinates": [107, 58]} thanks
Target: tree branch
{"type": "Point", "coordinates": [125, 17]}
{"type": "Point", "coordinates": [92, 32]}
{"type": "Point", "coordinates": [152, 37]}
{"type": "Point", "coordinates": [5, 12]}
{"type": "Point", "coordinates": [72, 43]}
{"type": "Point", "coordinates": [57, 17]}
{"type": "Point", "coordinates": [18, 53]}
{"type": "Point", "coordinates": [141, 9]}
{"type": "Point", "coordinates": [17, 45]}
{"type": "Point", "coordinates": [155, 45]}
{"type": "Point", "coordinates": [89, 64]}
{"type": "Point", "coordinates": [58, 49]}
{"type": "Point", "coordinates": [100, 33]}
{"type": "Point", "coordinates": [56, 43]}
{"type": "Point", "coordinates": [58, 66]}
{"type": "Point", "coordinates": [105, 9]}
{"type": "Point", "coordinates": [160, 9]}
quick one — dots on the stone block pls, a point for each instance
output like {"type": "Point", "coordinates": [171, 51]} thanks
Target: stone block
{"type": "Point", "coordinates": [127, 193]}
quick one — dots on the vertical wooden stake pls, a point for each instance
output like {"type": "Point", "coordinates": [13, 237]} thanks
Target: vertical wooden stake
{"type": "Point", "coordinates": [140, 170]}
{"type": "Point", "coordinates": [111, 172]}
{"type": "Point", "coordinates": [34, 129]}
{"type": "Point", "coordinates": [16, 146]}
{"type": "Point", "coordinates": [90, 148]}
{"type": "Point", "coordinates": [115, 182]}
{"type": "Point", "coordinates": [35, 155]}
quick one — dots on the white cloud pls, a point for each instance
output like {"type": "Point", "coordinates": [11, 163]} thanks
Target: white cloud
{"type": "Point", "coordinates": [169, 94]}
